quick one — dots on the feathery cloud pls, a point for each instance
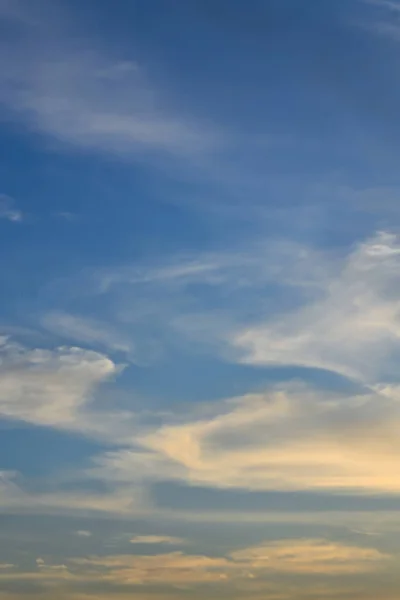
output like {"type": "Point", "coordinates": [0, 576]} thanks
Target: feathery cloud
{"type": "Point", "coordinates": [8, 210]}
{"type": "Point", "coordinates": [352, 328]}
{"type": "Point", "coordinates": [85, 330]}
{"type": "Point", "coordinates": [72, 92]}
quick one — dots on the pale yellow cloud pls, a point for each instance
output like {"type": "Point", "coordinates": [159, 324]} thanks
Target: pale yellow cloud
{"type": "Point", "coordinates": [293, 439]}
{"type": "Point", "coordinates": [156, 539]}
{"type": "Point", "coordinates": [174, 568]}
{"type": "Point", "coordinates": [310, 556]}
{"type": "Point", "coordinates": [246, 568]}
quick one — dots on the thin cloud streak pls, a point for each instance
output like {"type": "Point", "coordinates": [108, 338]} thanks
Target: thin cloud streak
{"type": "Point", "coordinates": [62, 89]}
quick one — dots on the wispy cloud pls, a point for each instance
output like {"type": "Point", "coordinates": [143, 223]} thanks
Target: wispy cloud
{"type": "Point", "coordinates": [386, 21]}
{"type": "Point", "coordinates": [269, 304]}
{"type": "Point", "coordinates": [353, 327]}
{"type": "Point", "coordinates": [346, 319]}
{"type": "Point", "coordinates": [72, 92]}
{"type": "Point", "coordinates": [83, 533]}
{"type": "Point", "coordinates": [157, 539]}
{"type": "Point", "coordinates": [390, 5]}
{"type": "Point", "coordinates": [86, 330]}
{"type": "Point", "coordinates": [8, 210]}
{"type": "Point", "coordinates": [310, 556]}
{"type": "Point", "coordinates": [17, 498]}
{"type": "Point", "coordinates": [202, 298]}
{"type": "Point", "coordinates": [188, 571]}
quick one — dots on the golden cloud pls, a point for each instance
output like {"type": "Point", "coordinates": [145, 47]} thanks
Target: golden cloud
{"type": "Point", "coordinates": [287, 439]}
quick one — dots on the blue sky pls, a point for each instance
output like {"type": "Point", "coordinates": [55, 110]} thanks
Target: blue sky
{"type": "Point", "coordinates": [199, 307]}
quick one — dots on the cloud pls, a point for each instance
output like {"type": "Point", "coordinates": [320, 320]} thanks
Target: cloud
{"type": "Point", "coordinates": [273, 304]}
{"type": "Point", "coordinates": [172, 568]}
{"type": "Point", "coordinates": [292, 437]}
{"type": "Point", "coordinates": [83, 533]}
{"type": "Point", "coordinates": [65, 87]}
{"type": "Point", "coordinates": [17, 498]}
{"type": "Point", "coordinates": [49, 387]}
{"type": "Point", "coordinates": [87, 330]}
{"type": "Point", "coordinates": [8, 211]}
{"type": "Point", "coordinates": [156, 539]}
{"type": "Point", "coordinates": [390, 5]}
{"type": "Point", "coordinates": [343, 316]}
{"type": "Point", "coordinates": [352, 327]}
{"type": "Point", "coordinates": [179, 569]}
{"type": "Point", "coordinates": [188, 571]}
{"type": "Point", "coordinates": [57, 388]}
{"type": "Point", "coordinates": [385, 23]}
{"type": "Point", "coordinates": [310, 556]}
{"type": "Point", "coordinates": [250, 264]}
{"type": "Point", "coordinates": [287, 439]}
{"type": "Point", "coordinates": [201, 299]}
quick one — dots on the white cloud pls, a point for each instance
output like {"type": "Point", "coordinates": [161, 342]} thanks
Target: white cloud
{"type": "Point", "coordinates": [62, 86]}
{"type": "Point", "coordinates": [154, 304]}
{"type": "Point", "coordinates": [353, 328]}
{"type": "Point", "coordinates": [271, 304]}
{"type": "Point", "coordinates": [249, 265]}
{"type": "Point", "coordinates": [8, 210]}
{"type": "Point", "coordinates": [83, 533]}
{"type": "Point", "coordinates": [385, 22]}
{"type": "Point", "coordinates": [87, 330]}
{"type": "Point", "coordinates": [390, 5]}
{"type": "Point", "coordinates": [49, 387]}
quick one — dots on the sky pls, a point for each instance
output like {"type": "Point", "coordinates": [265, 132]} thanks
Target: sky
{"type": "Point", "coordinates": [199, 300]}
